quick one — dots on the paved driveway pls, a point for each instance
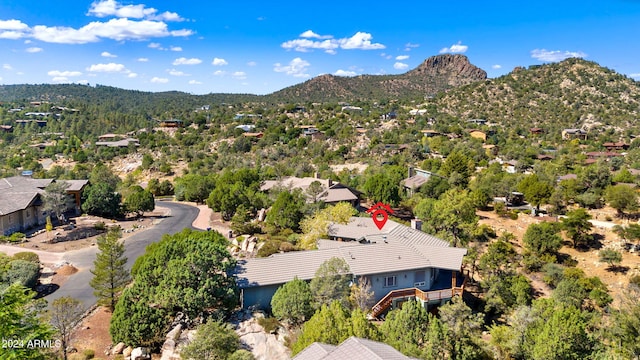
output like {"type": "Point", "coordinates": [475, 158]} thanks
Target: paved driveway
{"type": "Point", "coordinates": [77, 285]}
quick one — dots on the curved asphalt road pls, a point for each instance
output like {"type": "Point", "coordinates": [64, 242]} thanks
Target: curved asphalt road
{"type": "Point", "coordinates": [77, 285]}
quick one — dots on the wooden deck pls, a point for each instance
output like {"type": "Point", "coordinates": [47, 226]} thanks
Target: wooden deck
{"type": "Point", "coordinates": [425, 296]}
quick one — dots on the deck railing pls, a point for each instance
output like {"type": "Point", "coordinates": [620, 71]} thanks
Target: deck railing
{"type": "Point", "coordinates": [426, 296]}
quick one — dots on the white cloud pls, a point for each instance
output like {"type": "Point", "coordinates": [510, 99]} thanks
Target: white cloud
{"type": "Point", "coordinates": [132, 75]}
{"type": "Point", "coordinates": [359, 40]}
{"type": "Point", "coordinates": [408, 46]}
{"type": "Point", "coordinates": [7, 66]}
{"type": "Point", "coordinates": [154, 45]}
{"type": "Point", "coordinates": [185, 61]}
{"type": "Point", "coordinates": [455, 48]}
{"type": "Point", "coordinates": [496, 66]}
{"type": "Point", "coordinates": [194, 82]}
{"type": "Point", "coordinates": [175, 48]}
{"type": "Point", "coordinates": [252, 63]}
{"type": "Point", "coordinates": [311, 34]}
{"type": "Point", "coordinates": [240, 75]}
{"type": "Point", "coordinates": [402, 57]}
{"type": "Point", "coordinates": [635, 76]}
{"type": "Point", "coordinates": [109, 68]}
{"type": "Point", "coordinates": [142, 59]}
{"type": "Point", "coordinates": [400, 66]}
{"type": "Point", "coordinates": [13, 29]}
{"type": "Point", "coordinates": [555, 55]}
{"type": "Point", "coordinates": [297, 68]}
{"type": "Point", "coordinates": [34, 50]}
{"type": "Point", "coordinates": [175, 72]}
{"type": "Point", "coordinates": [219, 73]}
{"type": "Point", "coordinates": [219, 62]}
{"type": "Point", "coordinates": [159, 80]}
{"type": "Point", "coordinates": [64, 73]}
{"type": "Point", "coordinates": [108, 54]}
{"type": "Point", "coordinates": [181, 33]}
{"type": "Point", "coordinates": [106, 8]}
{"type": "Point", "coordinates": [83, 82]}
{"type": "Point", "coordinates": [345, 73]}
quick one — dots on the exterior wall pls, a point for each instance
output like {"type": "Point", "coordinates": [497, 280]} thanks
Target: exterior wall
{"type": "Point", "coordinates": [404, 279]}
{"type": "Point", "coordinates": [21, 220]}
{"type": "Point", "coordinates": [258, 297]}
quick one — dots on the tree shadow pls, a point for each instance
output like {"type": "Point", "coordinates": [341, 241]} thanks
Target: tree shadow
{"type": "Point", "coordinates": [618, 269]}
{"type": "Point", "coordinates": [45, 290]}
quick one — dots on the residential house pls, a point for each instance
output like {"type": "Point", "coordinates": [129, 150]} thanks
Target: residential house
{"type": "Point", "coordinates": [536, 131]}
{"type": "Point", "coordinates": [25, 122]}
{"type": "Point", "coordinates": [253, 135]}
{"type": "Point", "coordinates": [246, 127]}
{"type": "Point", "coordinates": [490, 149]}
{"type": "Point", "coordinates": [430, 133]}
{"type": "Point", "coordinates": [243, 116]}
{"type": "Point", "coordinates": [567, 177]}
{"type": "Point", "coordinates": [21, 205]}
{"type": "Point", "coordinates": [415, 179]}
{"type": "Point", "coordinates": [477, 121]}
{"type": "Point", "coordinates": [331, 192]}
{"type": "Point", "coordinates": [353, 348]}
{"type": "Point", "coordinates": [171, 123]}
{"type": "Point", "coordinates": [398, 261]}
{"type": "Point", "coordinates": [606, 155]}
{"type": "Point", "coordinates": [419, 112]}
{"type": "Point", "coordinates": [6, 128]}
{"type": "Point", "coordinates": [110, 140]}
{"type": "Point", "coordinates": [545, 157]}
{"type": "Point", "coordinates": [611, 146]}
{"type": "Point", "coordinates": [568, 134]}
{"type": "Point", "coordinates": [478, 134]}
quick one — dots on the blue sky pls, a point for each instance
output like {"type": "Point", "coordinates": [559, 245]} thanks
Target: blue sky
{"type": "Point", "coordinates": [260, 47]}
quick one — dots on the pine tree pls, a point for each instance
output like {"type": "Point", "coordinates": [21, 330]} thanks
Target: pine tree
{"type": "Point", "coordinates": [109, 273]}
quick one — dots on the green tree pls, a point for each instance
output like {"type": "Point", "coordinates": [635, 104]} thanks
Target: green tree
{"type": "Point", "coordinates": [331, 282]}
{"type": "Point", "coordinates": [459, 167]}
{"type": "Point", "coordinates": [543, 238]}
{"type": "Point", "coordinates": [314, 190]}
{"type": "Point", "coordinates": [535, 190]}
{"type": "Point", "coordinates": [361, 295]}
{"type": "Point", "coordinates": [624, 329]}
{"type": "Point", "coordinates": [102, 200]}
{"type": "Point", "coordinates": [109, 273]}
{"type": "Point", "coordinates": [382, 187]}
{"type": "Point", "coordinates": [610, 256]}
{"type": "Point", "coordinates": [65, 313]}
{"type": "Point", "coordinates": [189, 272]}
{"type": "Point", "coordinates": [24, 272]}
{"type": "Point", "coordinates": [453, 216]}
{"type": "Point", "coordinates": [293, 302]}
{"type": "Point", "coordinates": [101, 174]}
{"type": "Point", "coordinates": [622, 198]}
{"type": "Point", "coordinates": [499, 258]}
{"type": "Point", "coordinates": [214, 340]}
{"type": "Point", "coordinates": [577, 226]}
{"type": "Point", "coordinates": [21, 319]}
{"type": "Point", "coordinates": [55, 198]}
{"type": "Point", "coordinates": [406, 328]}
{"type": "Point", "coordinates": [139, 201]}
{"type": "Point", "coordinates": [286, 211]}
{"type": "Point", "coordinates": [333, 324]}
{"type": "Point", "coordinates": [464, 328]}
{"type": "Point", "coordinates": [317, 226]}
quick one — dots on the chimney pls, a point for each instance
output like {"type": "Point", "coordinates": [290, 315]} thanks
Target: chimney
{"type": "Point", "coordinates": [416, 224]}
{"type": "Point", "coordinates": [316, 175]}
{"type": "Point", "coordinates": [410, 174]}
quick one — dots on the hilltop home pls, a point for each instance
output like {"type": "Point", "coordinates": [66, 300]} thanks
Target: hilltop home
{"type": "Point", "coordinates": [568, 134]}
{"type": "Point", "coordinates": [21, 202]}
{"type": "Point", "coordinates": [415, 179]}
{"type": "Point", "coordinates": [331, 192]}
{"type": "Point", "coordinates": [399, 262]}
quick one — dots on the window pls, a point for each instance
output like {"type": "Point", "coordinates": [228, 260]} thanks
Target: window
{"type": "Point", "coordinates": [389, 281]}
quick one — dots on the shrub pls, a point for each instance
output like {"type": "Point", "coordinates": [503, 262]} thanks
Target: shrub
{"type": "Point", "coordinates": [89, 354]}
{"type": "Point", "coordinates": [27, 256]}
{"type": "Point", "coordinates": [16, 237]}
{"type": "Point", "coordinates": [24, 272]}
{"type": "Point", "coordinates": [101, 226]}
{"type": "Point", "coordinates": [270, 324]}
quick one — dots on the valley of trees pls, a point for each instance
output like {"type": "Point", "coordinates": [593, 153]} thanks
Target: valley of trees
{"type": "Point", "coordinates": [188, 277]}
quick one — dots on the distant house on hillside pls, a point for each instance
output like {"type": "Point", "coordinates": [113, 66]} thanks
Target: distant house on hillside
{"type": "Point", "coordinates": [536, 131]}
{"type": "Point", "coordinates": [611, 146]}
{"type": "Point", "coordinates": [331, 192]}
{"type": "Point", "coordinates": [21, 202]}
{"type": "Point", "coordinates": [400, 263]}
{"type": "Point", "coordinates": [253, 135]}
{"type": "Point", "coordinates": [6, 128]}
{"type": "Point", "coordinates": [477, 121]}
{"type": "Point", "coordinates": [568, 134]}
{"type": "Point", "coordinates": [170, 123]}
{"type": "Point", "coordinates": [246, 127]}
{"type": "Point", "coordinates": [478, 134]}
{"type": "Point", "coordinates": [116, 140]}
{"type": "Point", "coordinates": [415, 179]}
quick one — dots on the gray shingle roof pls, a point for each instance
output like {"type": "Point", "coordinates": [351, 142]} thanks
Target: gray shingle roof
{"type": "Point", "coordinates": [315, 351]}
{"type": "Point", "coordinates": [19, 192]}
{"type": "Point", "coordinates": [332, 191]}
{"type": "Point", "coordinates": [396, 248]}
{"type": "Point", "coordinates": [355, 349]}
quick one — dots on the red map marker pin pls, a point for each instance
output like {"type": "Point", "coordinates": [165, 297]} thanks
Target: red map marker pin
{"type": "Point", "coordinates": [379, 213]}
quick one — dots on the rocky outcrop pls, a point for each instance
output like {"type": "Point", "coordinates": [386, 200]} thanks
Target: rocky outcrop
{"type": "Point", "coordinates": [455, 68]}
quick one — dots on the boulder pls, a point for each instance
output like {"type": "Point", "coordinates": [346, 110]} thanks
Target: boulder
{"type": "Point", "coordinates": [118, 348]}
{"type": "Point", "coordinates": [140, 353]}
{"type": "Point", "coordinates": [127, 352]}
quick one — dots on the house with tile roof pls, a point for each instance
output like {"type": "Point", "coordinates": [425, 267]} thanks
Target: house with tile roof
{"type": "Point", "coordinates": [353, 348]}
{"type": "Point", "coordinates": [400, 263]}
{"type": "Point", "coordinates": [415, 179]}
{"type": "Point", "coordinates": [21, 205]}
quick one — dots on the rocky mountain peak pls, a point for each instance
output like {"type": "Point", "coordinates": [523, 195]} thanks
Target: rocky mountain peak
{"type": "Point", "coordinates": [456, 68]}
